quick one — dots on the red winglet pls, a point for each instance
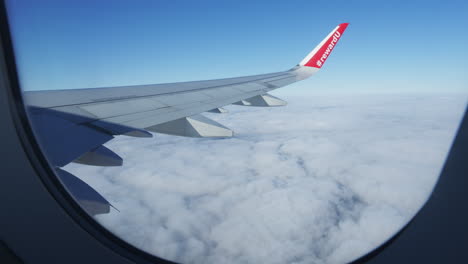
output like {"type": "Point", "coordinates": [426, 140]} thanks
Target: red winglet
{"type": "Point", "coordinates": [319, 55]}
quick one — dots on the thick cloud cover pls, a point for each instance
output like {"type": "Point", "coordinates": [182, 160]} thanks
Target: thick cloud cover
{"type": "Point", "coordinates": [323, 180]}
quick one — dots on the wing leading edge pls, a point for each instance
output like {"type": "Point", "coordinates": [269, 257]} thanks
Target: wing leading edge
{"type": "Point", "coordinates": [72, 125]}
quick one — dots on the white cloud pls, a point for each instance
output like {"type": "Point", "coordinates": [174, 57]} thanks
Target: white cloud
{"type": "Point", "coordinates": [322, 180]}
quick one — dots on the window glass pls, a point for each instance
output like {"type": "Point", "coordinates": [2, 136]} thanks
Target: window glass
{"type": "Point", "coordinates": [328, 177]}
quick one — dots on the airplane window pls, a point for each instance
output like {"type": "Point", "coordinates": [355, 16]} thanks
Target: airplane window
{"type": "Point", "coordinates": [184, 128]}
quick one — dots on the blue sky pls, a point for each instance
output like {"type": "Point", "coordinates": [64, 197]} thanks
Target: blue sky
{"type": "Point", "coordinates": [390, 46]}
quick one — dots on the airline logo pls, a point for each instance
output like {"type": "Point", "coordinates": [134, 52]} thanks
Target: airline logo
{"type": "Point", "coordinates": [320, 56]}
{"type": "Point", "coordinates": [330, 47]}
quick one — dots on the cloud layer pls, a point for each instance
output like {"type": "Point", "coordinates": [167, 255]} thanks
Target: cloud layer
{"type": "Point", "coordinates": [323, 180]}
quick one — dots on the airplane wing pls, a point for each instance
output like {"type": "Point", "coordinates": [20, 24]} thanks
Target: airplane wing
{"type": "Point", "coordinates": [72, 125]}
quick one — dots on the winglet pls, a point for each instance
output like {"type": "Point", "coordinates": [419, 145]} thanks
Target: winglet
{"type": "Point", "coordinates": [319, 55]}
